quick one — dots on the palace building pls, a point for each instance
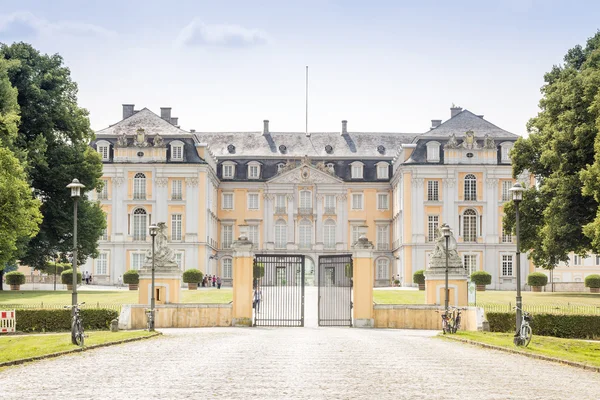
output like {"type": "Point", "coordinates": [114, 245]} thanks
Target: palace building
{"type": "Point", "coordinates": [309, 193]}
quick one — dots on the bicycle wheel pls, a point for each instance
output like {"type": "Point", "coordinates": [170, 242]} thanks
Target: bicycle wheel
{"type": "Point", "coordinates": [74, 331]}
{"type": "Point", "coordinates": [526, 335]}
{"type": "Point", "coordinates": [79, 336]}
{"type": "Point", "coordinates": [444, 326]}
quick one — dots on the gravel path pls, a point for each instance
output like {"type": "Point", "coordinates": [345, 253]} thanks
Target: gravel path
{"type": "Point", "coordinates": [296, 363]}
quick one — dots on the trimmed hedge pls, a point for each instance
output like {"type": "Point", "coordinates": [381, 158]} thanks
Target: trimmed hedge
{"type": "Point", "coordinates": [557, 325]}
{"type": "Point", "coordinates": [592, 281]}
{"type": "Point", "coordinates": [537, 279]}
{"type": "Point", "coordinates": [15, 278]}
{"type": "Point", "coordinates": [66, 277]}
{"type": "Point", "coordinates": [481, 278]}
{"type": "Point", "coordinates": [131, 277]}
{"type": "Point", "coordinates": [192, 276]}
{"type": "Point", "coordinates": [60, 320]}
{"type": "Point", "coordinates": [419, 277]}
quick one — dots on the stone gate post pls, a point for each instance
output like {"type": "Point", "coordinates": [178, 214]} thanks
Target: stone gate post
{"type": "Point", "coordinates": [362, 279]}
{"type": "Point", "coordinates": [243, 262]}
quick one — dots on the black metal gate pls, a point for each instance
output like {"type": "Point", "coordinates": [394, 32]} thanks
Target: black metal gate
{"type": "Point", "coordinates": [335, 290]}
{"type": "Point", "coordinates": [279, 289]}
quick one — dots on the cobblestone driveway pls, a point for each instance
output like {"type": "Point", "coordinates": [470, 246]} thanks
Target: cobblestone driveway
{"type": "Point", "coordinates": [290, 363]}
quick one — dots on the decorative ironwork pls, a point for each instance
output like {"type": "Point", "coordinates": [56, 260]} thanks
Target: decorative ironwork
{"type": "Point", "coordinates": [305, 211]}
{"type": "Point", "coordinates": [335, 290]}
{"type": "Point", "coordinates": [279, 290]}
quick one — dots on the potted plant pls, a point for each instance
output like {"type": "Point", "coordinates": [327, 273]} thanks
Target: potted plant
{"type": "Point", "coordinates": [397, 282]}
{"type": "Point", "coordinates": [591, 281]}
{"type": "Point", "coordinates": [132, 278]}
{"type": "Point", "coordinates": [536, 280]}
{"type": "Point", "coordinates": [192, 277]}
{"type": "Point", "coordinates": [15, 279]}
{"type": "Point", "coordinates": [481, 278]}
{"type": "Point", "coordinates": [258, 271]}
{"type": "Point", "coordinates": [66, 277]}
{"type": "Point", "coordinates": [419, 278]}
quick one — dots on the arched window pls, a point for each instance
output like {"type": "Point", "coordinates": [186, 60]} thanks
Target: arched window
{"type": "Point", "coordinates": [505, 152]}
{"type": "Point", "coordinates": [305, 234]}
{"type": "Point", "coordinates": [470, 188]}
{"type": "Point", "coordinates": [103, 148]}
{"type": "Point", "coordinates": [329, 234]}
{"type": "Point", "coordinates": [280, 234]}
{"type": "Point", "coordinates": [383, 269]}
{"type": "Point", "coordinates": [470, 226]}
{"type": "Point", "coordinates": [176, 150]}
{"type": "Point", "coordinates": [433, 151]}
{"type": "Point", "coordinates": [227, 268]}
{"type": "Point", "coordinates": [139, 224]}
{"type": "Point", "coordinates": [139, 186]}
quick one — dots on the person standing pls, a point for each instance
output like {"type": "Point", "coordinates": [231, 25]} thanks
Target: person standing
{"type": "Point", "coordinates": [218, 282]}
{"type": "Point", "coordinates": [257, 298]}
{"type": "Point", "coordinates": [214, 280]}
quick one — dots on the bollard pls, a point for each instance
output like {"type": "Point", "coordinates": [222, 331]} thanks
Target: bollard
{"type": "Point", "coordinates": [114, 325]}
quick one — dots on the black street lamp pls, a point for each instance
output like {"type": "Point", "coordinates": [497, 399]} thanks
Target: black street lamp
{"type": "Point", "coordinates": [517, 196]}
{"type": "Point", "coordinates": [153, 231]}
{"type": "Point", "coordinates": [446, 232]}
{"type": "Point", "coordinates": [75, 187]}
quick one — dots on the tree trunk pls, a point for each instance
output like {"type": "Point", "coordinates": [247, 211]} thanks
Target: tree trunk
{"type": "Point", "coordinates": [1, 277]}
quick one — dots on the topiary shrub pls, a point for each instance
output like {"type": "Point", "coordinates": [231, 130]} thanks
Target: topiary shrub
{"type": "Point", "coordinates": [131, 277]}
{"type": "Point", "coordinates": [15, 278]}
{"type": "Point", "coordinates": [419, 277]}
{"type": "Point", "coordinates": [192, 276]}
{"type": "Point", "coordinates": [60, 320]}
{"type": "Point", "coordinates": [66, 277]}
{"type": "Point", "coordinates": [537, 279]}
{"type": "Point", "coordinates": [481, 278]}
{"type": "Point", "coordinates": [591, 281]}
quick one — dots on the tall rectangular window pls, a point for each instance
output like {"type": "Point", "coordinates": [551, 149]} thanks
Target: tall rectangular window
{"type": "Point", "coordinates": [305, 234]}
{"type": "Point", "coordinates": [383, 269]}
{"type": "Point", "coordinates": [179, 260]}
{"type": "Point", "coordinates": [253, 201]}
{"type": "Point", "coordinates": [470, 263]}
{"type": "Point", "coordinates": [506, 185]}
{"type": "Point", "coordinates": [382, 171]}
{"type": "Point", "coordinates": [103, 193]}
{"type": "Point", "coordinates": [253, 235]}
{"type": "Point", "coordinates": [227, 234]}
{"type": "Point", "coordinates": [227, 201]}
{"type": "Point", "coordinates": [433, 222]}
{"type": "Point", "coordinates": [227, 268]}
{"type": "Point", "coordinates": [470, 191]}
{"type": "Point", "coordinates": [433, 191]}
{"type": "Point", "coordinates": [305, 199]}
{"type": "Point", "coordinates": [357, 171]}
{"type": "Point", "coordinates": [228, 171]}
{"type": "Point", "coordinates": [176, 227]}
{"type": "Point", "coordinates": [177, 153]}
{"type": "Point", "coordinates": [105, 231]}
{"type": "Point", "coordinates": [103, 150]}
{"type": "Point", "coordinates": [139, 186]}
{"type": "Point", "coordinates": [383, 236]}
{"type": "Point", "coordinates": [382, 201]}
{"type": "Point", "coordinates": [357, 201]}
{"type": "Point", "coordinates": [280, 204]}
{"type": "Point", "coordinates": [576, 259]}
{"type": "Point", "coordinates": [355, 234]}
{"type": "Point", "coordinates": [506, 236]}
{"type": "Point", "coordinates": [176, 189]}
{"type": "Point", "coordinates": [329, 204]}
{"type": "Point", "coordinates": [102, 264]}
{"type": "Point", "coordinates": [253, 172]}
{"type": "Point", "coordinates": [137, 260]}
{"type": "Point", "coordinates": [329, 234]}
{"type": "Point", "coordinates": [507, 265]}
{"type": "Point", "coordinates": [280, 234]}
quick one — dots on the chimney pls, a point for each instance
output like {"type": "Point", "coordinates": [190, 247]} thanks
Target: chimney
{"type": "Point", "coordinates": [192, 130]}
{"type": "Point", "coordinates": [128, 110]}
{"type": "Point", "coordinates": [266, 127]}
{"type": "Point", "coordinates": [165, 113]}
{"type": "Point", "coordinates": [435, 123]}
{"type": "Point", "coordinates": [174, 121]}
{"type": "Point", "coordinates": [344, 127]}
{"type": "Point", "coordinates": [454, 111]}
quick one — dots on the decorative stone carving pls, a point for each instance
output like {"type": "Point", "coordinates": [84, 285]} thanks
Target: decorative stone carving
{"type": "Point", "coordinates": [306, 160]}
{"type": "Point", "coordinates": [118, 180]}
{"type": "Point", "coordinates": [305, 176]}
{"type": "Point", "coordinates": [140, 138]}
{"type": "Point", "coordinates": [324, 168]}
{"type": "Point", "coordinates": [491, 182]}
{"type": "Point", "coordinates": [163, 255]}
{"type": "Point", "coordinates": [161, 181]}
{"type": "Point", "coordinates": [191, 181]}
{"type": "Point", "coordinates": [469, 142]}
{"type": "Point", "coordinates": [438, 258]}
{"type": "Point", "coordinates": [449, 182]}
{"type": "Point", "coordinates": [341, 197]}
{"type": "Point", "coordinates": [452, 143]}
{"type": "Point", "coordinates": [158, 141]}
{"type": "Point", "coordinates": [488, 142]}
{"type": "Point", "coordinates": [122, 141]}
{"type": "Point", "coordinates": [268, 196]}
{"type": "Point", "coordinates": [289, 165]}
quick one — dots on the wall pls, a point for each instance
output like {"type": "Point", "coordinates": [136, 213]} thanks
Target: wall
{"type": "Point", "coordinates": [566, 287]}
{"type": "Point", "coordinates": [400, 316]}
{"type": "Point", "coordinates": [177, 316]}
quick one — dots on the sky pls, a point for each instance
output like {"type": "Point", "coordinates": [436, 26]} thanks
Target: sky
{"type": "Point", "coordinates": [385, 66]}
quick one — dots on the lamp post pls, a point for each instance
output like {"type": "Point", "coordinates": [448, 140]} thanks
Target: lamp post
{"type": "Point", "coordinates": [75, 187]}
{"type": "Point", "coordinates": [517, 196]}
{"type": "Point", "coordinates": [446, 232]}
{"type": "Point", "coordinates": [153, 231]}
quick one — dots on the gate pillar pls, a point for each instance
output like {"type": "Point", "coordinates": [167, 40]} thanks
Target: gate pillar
{"type": "Point", "coordinates": [243, 260]}
{"type": "Point", "coordinates": [363, 278]}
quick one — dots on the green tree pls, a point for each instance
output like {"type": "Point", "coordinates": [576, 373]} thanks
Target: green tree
{"type": "Point", "coordinates": [54, 134]}
{"type": "Point", "coordinates": [560, 213]}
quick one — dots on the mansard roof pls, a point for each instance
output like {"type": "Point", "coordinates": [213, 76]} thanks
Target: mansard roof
{"type": "Point", "coordinates": [463, 122]}
{"type": "Point", "coordinates": [147, 120]}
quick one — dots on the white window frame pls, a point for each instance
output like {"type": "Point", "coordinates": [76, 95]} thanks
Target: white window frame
{"type": "Point", "coordinates": [383, 201]}
{"type": "Point", "coordinates": [281, 234]}
{"type": "Point", "coordinates": [137, 260]}
{"type": "Point", "coordinates": [101, 264]}
{"type": "Point", "coordinates": [176, 227]}
{"type": "Point", "coordinates": [176, 150]}
{"type": "Point", "coordinates": [227, 268]}
{"type": "Point", "coordinates": [329, 229]}
{"type": "Point", "coordinates": [254, 235]}
{"type": "Point", "coordinates": [382, 269]}
{"type": "Point", "coordinates": [433, 152]}
{"type": "Point", "coordinates": [177, 189]}
{"type": "Point", "coordinates": [470, 228]}
{"type": "Point", "coordinates": [383, 170]}
{"type": "Point", "coordinates": [281, 204]}
{"type": "Point", "coordinates": [228, 170]}
{"type": "Point", "coordinates": [433, 225]}
{"type": "Point", "coordinates": [383, 237]}
{"type": "Point", "coordinates": [357, 201]}
{"type": "Point", "coordinates": [506, 265]}
{"type": "Point", "coordinates": [305, 236]}
{"type": "Point", "coordinates": [179, 259]}
{"type": "Point", "coordinates": [139, 226]}
{"type": "Point", "coordinates": [576, 259]}
{"type": "Point", "coordinates": [472, 257]}
{"type": "Point", "coordinates": [103, 148]}
{"type": "Point", "coordinates": [105, 230]}
{"type": "Point", "coordinates": [354, 234]}
{"type": "Point", "coordinates": [305, 199]}
{"type": "Point", "coordinates": [103, 193]}
{"type": "Point", "coordinates": [226, 236]}
{"type": "Point", "coordinates": [253, 170]}
{"type": "Point", "coordinates": [253, 201]}
{"type": "Point", "coordinates": [505, 151]}
{"type": "Point", "coordinates": [470, 189]}
{"type": "Point", "coordinates": [506, 194]}
{"type": "Point", "coordinates": [139, 186]}
{"type": "Point", "coordinates": [433, 190]}
{"type": "Point", "coordinates": [506, 237]}
{"type": "Point", "coordinates": [357, 169]}
{"type": "Point", "coordinates": [329, 203]}
{"type": "Point", "coordinates": [224, 205]}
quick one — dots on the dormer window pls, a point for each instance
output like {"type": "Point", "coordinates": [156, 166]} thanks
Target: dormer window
{"type": "Point", "coordinates": [253, 170]}
{"type": "Point", "coordinates": [505, 151]}
{"type": "Point", "coordinates": [176, 151]}
{"type": "Point", "coordinates": [228, 170]}
{"type": "Point", "coordinates": [103, 148]}
{"type": "Point", "coordinates": [383, 170]}
{"type": "Point", "coordinates": [357, 170]}
{"type": "Point", "coordinates": [433, 152]}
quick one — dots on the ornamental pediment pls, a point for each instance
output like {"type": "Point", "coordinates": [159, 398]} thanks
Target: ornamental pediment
{"type": "Point", "coordinates": [305, 173]}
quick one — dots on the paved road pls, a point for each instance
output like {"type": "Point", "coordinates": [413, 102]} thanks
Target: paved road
{"type": "Point", "coordinates": [296, 363]}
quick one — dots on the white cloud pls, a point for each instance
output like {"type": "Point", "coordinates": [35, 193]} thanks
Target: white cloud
{"type": "Point", "coordinates": [25, 23]}
{"type": "Point", "coordinates": [197, 33]}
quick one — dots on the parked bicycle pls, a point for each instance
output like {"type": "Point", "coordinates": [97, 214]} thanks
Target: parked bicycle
{"type": "Point", "coordinates": [77, 334]}
{"type": "Point", "coordinates": [523, 336]}
{"type": "Point", "coordinates": [451, 319]}
{"type": "Point", "coordinates": [150, 319]}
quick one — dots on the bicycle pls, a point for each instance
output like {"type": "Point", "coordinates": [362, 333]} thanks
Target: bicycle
{"type": "Point", "coordinates": [77, 334]}
{"type": "Point", "coordinates": [523, 336]}
{"type": "Point", "coordinates": [150, 319]}
{"type": "Point", "coordinates": [451, 320]}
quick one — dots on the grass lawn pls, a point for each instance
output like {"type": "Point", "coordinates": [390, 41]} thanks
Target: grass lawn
{"type": "Point", "coordinates": [16, 347]}
{"type": "Point", "coordinates": [112, 297]}
{"type": "Point", "coordinates": [582, 351]}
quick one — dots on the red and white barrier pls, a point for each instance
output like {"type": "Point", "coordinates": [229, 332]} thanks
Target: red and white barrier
{"type": "Point", "coordinates": [7, 321]}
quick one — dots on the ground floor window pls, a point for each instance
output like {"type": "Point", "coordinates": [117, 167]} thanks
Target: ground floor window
{"type": "Point", "coordinates": [507, 265]}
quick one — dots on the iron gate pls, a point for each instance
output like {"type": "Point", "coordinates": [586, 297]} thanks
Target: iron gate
{"type": "Point", "coordinates": [279, 284]}
{"type": "Point", "coordinates": [335, 290]}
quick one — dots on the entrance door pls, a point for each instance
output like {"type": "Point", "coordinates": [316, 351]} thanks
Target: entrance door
{"type": "Point", "coordinates": [335, 290]}
{"type": "Point", "coordinates": [279, 284]}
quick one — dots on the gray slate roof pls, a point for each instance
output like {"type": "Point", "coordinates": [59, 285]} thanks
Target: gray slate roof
{"type": "Point", "coordinates": [146, 119]}
{"type": "Point", "coordinates": [463, 122]}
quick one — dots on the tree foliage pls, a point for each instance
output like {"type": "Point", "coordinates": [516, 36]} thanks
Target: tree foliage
{"type": "Point", "coordinates": [53, 135]}
{"type": "Point", "coordinates": [562, 151]}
